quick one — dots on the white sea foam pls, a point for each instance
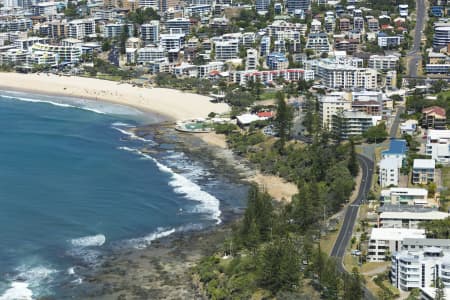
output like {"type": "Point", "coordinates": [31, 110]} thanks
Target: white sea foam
{"type": "Point", "coordinates": [131, 134]}
{"type": "Point", "coordinates": [121, 124]}
{"type": "Point", "coordinates": [71, 271]}
{"type": "Point", "coordinates": [89, 241]}
{"type": "Point", "coordinates": [17, 291]}
{"type": "Point", "coordinates": [60, 104]}
{"type": "Point", "coordinates": [143, 242]}
{"type": "Point", "coordinates": [183, 186]}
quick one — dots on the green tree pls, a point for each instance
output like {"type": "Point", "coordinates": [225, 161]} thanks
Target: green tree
{"type": "Point", "coordinates": [280, 266]}
{"type": "Point", "coordinates": [124, 35]}
{"type": "Point", "coordinates": [376, 134]}
{"type": "Point", "coordinates": [439, 294]}
{"type": "Point", "coordinates": [353, 165]}
{"type": "Point", "coordinates": [283, 120]}
{"type": "Point", "coordinates": [353, 285]}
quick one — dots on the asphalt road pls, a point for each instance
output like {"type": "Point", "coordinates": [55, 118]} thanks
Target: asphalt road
{"type": "Point", "coordinates": [395, 123]}
{"type": "Point", "coordinates": [415, 56]}
{"type": "Point", "coordinates": [351, 215]}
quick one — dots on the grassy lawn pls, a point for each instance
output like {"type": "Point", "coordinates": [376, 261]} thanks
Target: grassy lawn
{"type": "Point", "coordinates": [327, 242]}
{"type": "Point", "coordinates": [268, 95]}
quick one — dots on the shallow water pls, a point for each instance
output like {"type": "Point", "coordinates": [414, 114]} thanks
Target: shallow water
{"type": "Point", "coordinates": [74, 184]}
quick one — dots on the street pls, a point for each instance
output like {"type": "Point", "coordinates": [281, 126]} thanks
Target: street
{"type": "Point", "coordinates": [414, 56]}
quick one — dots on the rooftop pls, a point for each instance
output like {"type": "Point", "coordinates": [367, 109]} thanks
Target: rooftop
{"type": "Point", "coordinates": [424, 164]}
{"type": "Point", "coordinates": [396, 147]}
{"type": "Point", "coordinates": [419, 215]}
{"type": "Point", "coordinates": [396, 234]}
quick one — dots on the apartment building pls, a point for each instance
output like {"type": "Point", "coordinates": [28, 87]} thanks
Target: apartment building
{"type": "Point", "coordinates": [172, 41]}
{"type": "Point", "coordinates": [318, 42]}
{"type": "Point", "coordinates": [226, 50]}
{"type": "Point", "coordinates": [404, 196]}
{"type": "Point", "coordinates": [441, 36]}
{"type": "Point", "coordinates": [150, 33]}
{"type": "Point", "coordinates": [423, 171]}
{"type": "Point", "coordinates": [147, 55]}
{"type": "Point", "coordinates": [182, 24]}
{"type": "Point", "coordinates": [389, 41]}
{"type": "Point", "coordinates": [204, 71]}
{"type": "Point", "coordinates": [114, 30]}
{"type": "Point", "coordinates": [420, 269]}
{"type": "Point", "coordinates": [353, 123]}
{"type": "Point", "coordinates": [389, 172]}
{"type": "Point", "coordinates": [331, 105]}
{"type": "Point", "coordinates": [408, 217]}
{"type": "Point", "coordinates": [438, 145]}
{"type": "Point", "coordinates": [80, 28]}
{"type": "Point", "coordinates": [277, 61]}
{"type": "Point", "coordinates": [266, 77]}
{"type": "Point", "coordinates": [66, 54]}
{"type": "Point", "coordinates": [434, 117]}
{"type": "Point", "coordinates": [386, 241]}
{"type": "Point", "coordinates": [383, 62]}
{"type": "Point", "coordinates": [251, 61]}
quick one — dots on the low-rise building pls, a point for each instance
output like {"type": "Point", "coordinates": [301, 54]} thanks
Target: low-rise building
{"type": "Point", "coordinates": [404, 196]}
{"type": "Point", "coordinates": [389, 41]}
{"type": "Point", "coordinates": [409, 127]}
{"type": "Point", "coordinates": [384, 242]}
{"type": "Point", "coordinates": [417, 245]}
{"type": "Point", "coordinates": [409, 218]}
{"type": "Point", "coordinates": [383, 62]}
{"type": "Point", "coordinates": [397, 150]}
{"type": "Point", "coordinates": [434, 117]}
{"type": "Point", "coordinates": [423, 171]}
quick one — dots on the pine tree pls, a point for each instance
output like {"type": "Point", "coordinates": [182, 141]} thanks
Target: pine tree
{"type": "Point", "coordinates": [283, 120]}
{"type": "Point", "coordinates": [353, 166]}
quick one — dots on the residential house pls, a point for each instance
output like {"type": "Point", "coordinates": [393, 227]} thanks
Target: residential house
{"type": "Point", "coordinates": [423, 171]}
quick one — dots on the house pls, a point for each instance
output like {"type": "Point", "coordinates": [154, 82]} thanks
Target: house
{"type": "Point", "coordinates": [438, 145]}
{"type": "Point", "coordinates": [434, 117]}
{"type": "Point", "coordinates": [423, 171]}
{"type": "Point", "coordinates": [385, 241]}
{"type": "Point", "coordinates": [408, 127]}
{"type": "Point", "coordinates": [404, 196]}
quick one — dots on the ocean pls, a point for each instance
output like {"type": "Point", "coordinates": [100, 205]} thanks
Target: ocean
{"type": "Point", "coordinates": [76, 185]}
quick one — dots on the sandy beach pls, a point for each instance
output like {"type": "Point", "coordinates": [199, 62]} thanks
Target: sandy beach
{"type": "Point", "coordinates": [173, 104]}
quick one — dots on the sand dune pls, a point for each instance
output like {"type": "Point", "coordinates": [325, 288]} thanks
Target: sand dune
{"type": "Point", "coordinates": [171, 103]}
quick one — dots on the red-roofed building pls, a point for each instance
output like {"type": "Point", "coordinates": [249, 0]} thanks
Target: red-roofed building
{"type": "Point", "coordinates": [265, 114]}
{"type": "Point", "coordinates": [434, 117]}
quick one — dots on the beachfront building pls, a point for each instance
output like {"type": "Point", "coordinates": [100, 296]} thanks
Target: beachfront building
{"type": "Point", "coordinates": [423, 171]}
{"type": "Point", "coordinates": [420, 269]}
{"type": "Point", "coordinates": [389, 172]}
{"type": "Point", "coordinates": [438, 145]}
{"type": "Point", "coordinates": [266, 77]}
{"type": "Point", "coordinates": [66, 54]}
{"type": "Point", "coordinates": [148, 55]}
{"type": "Point", "coordinates": [331, 105]}
{"type": "Point", "coordinates": [385, 241]}
{"type": "Point", "coordinates": [337, 74]}
{"type": "Point", "coordinates": [203, 71]}
{"type": "Point", "coordinates": [404, 196]}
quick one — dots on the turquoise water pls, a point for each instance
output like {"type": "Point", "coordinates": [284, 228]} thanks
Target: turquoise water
{"type": "Point", "coordinates": [73, 185]}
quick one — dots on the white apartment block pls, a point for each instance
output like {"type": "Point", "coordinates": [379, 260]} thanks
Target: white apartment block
{"type": "Point", "coordinates": [386, 241]}
{"type": "Point", "coordinates": [45, 9]}
{"type": "Point", "coordinates": [69, 55]}
{"type": "Point", "coordinates": [150, 54]}
{"type": "Point", "coordinates": [331, 105]}
{"type": "Point", "coordinates": [172, 41]}
{"type": "Point", "coordinates": [420, 269]}
{"type": "Point", "coordinates": [409, 219]}
{"type": "Point", "coordinates": [389, 172]}
{"type": "Point", "coordinates": [417, 245]}
{"type": "Point", "coordinates": [204, 71]}
{"type": "Point", "coordinates": [182, 24]}
{"type": "Point", "coordinates": [114, 30]}
{"type": "Point", "coordinates": [251, 61]}
{"type": "Point", "coordinates": [280, 25]}
{"type": "Point", "coordinates": [423, 171]}
{"type": "Point", "coordinates": [149, 4]}
{"type": "Point", "coordinates": [242, 77]}
{"type": "Point", "coordinates": [226, 50]}
{"type": "Point", "coordinates": [383, 62]}
{"type": "Point", "coordinates": [79, 29]}
{"type": "Point", "coordinates": [26, 43]}
{"type": "Point", "coordinates": [318, 42]}
{"type": "Point", "coordinates": [438, 145]}
{"type": "Point", "coordinates": [404, 196]}
{"type": "Point", "coordinates": [150, 33]}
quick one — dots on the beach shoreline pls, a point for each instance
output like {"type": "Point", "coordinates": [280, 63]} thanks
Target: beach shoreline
{"type": "Point", "coordinates": [168, 103]}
